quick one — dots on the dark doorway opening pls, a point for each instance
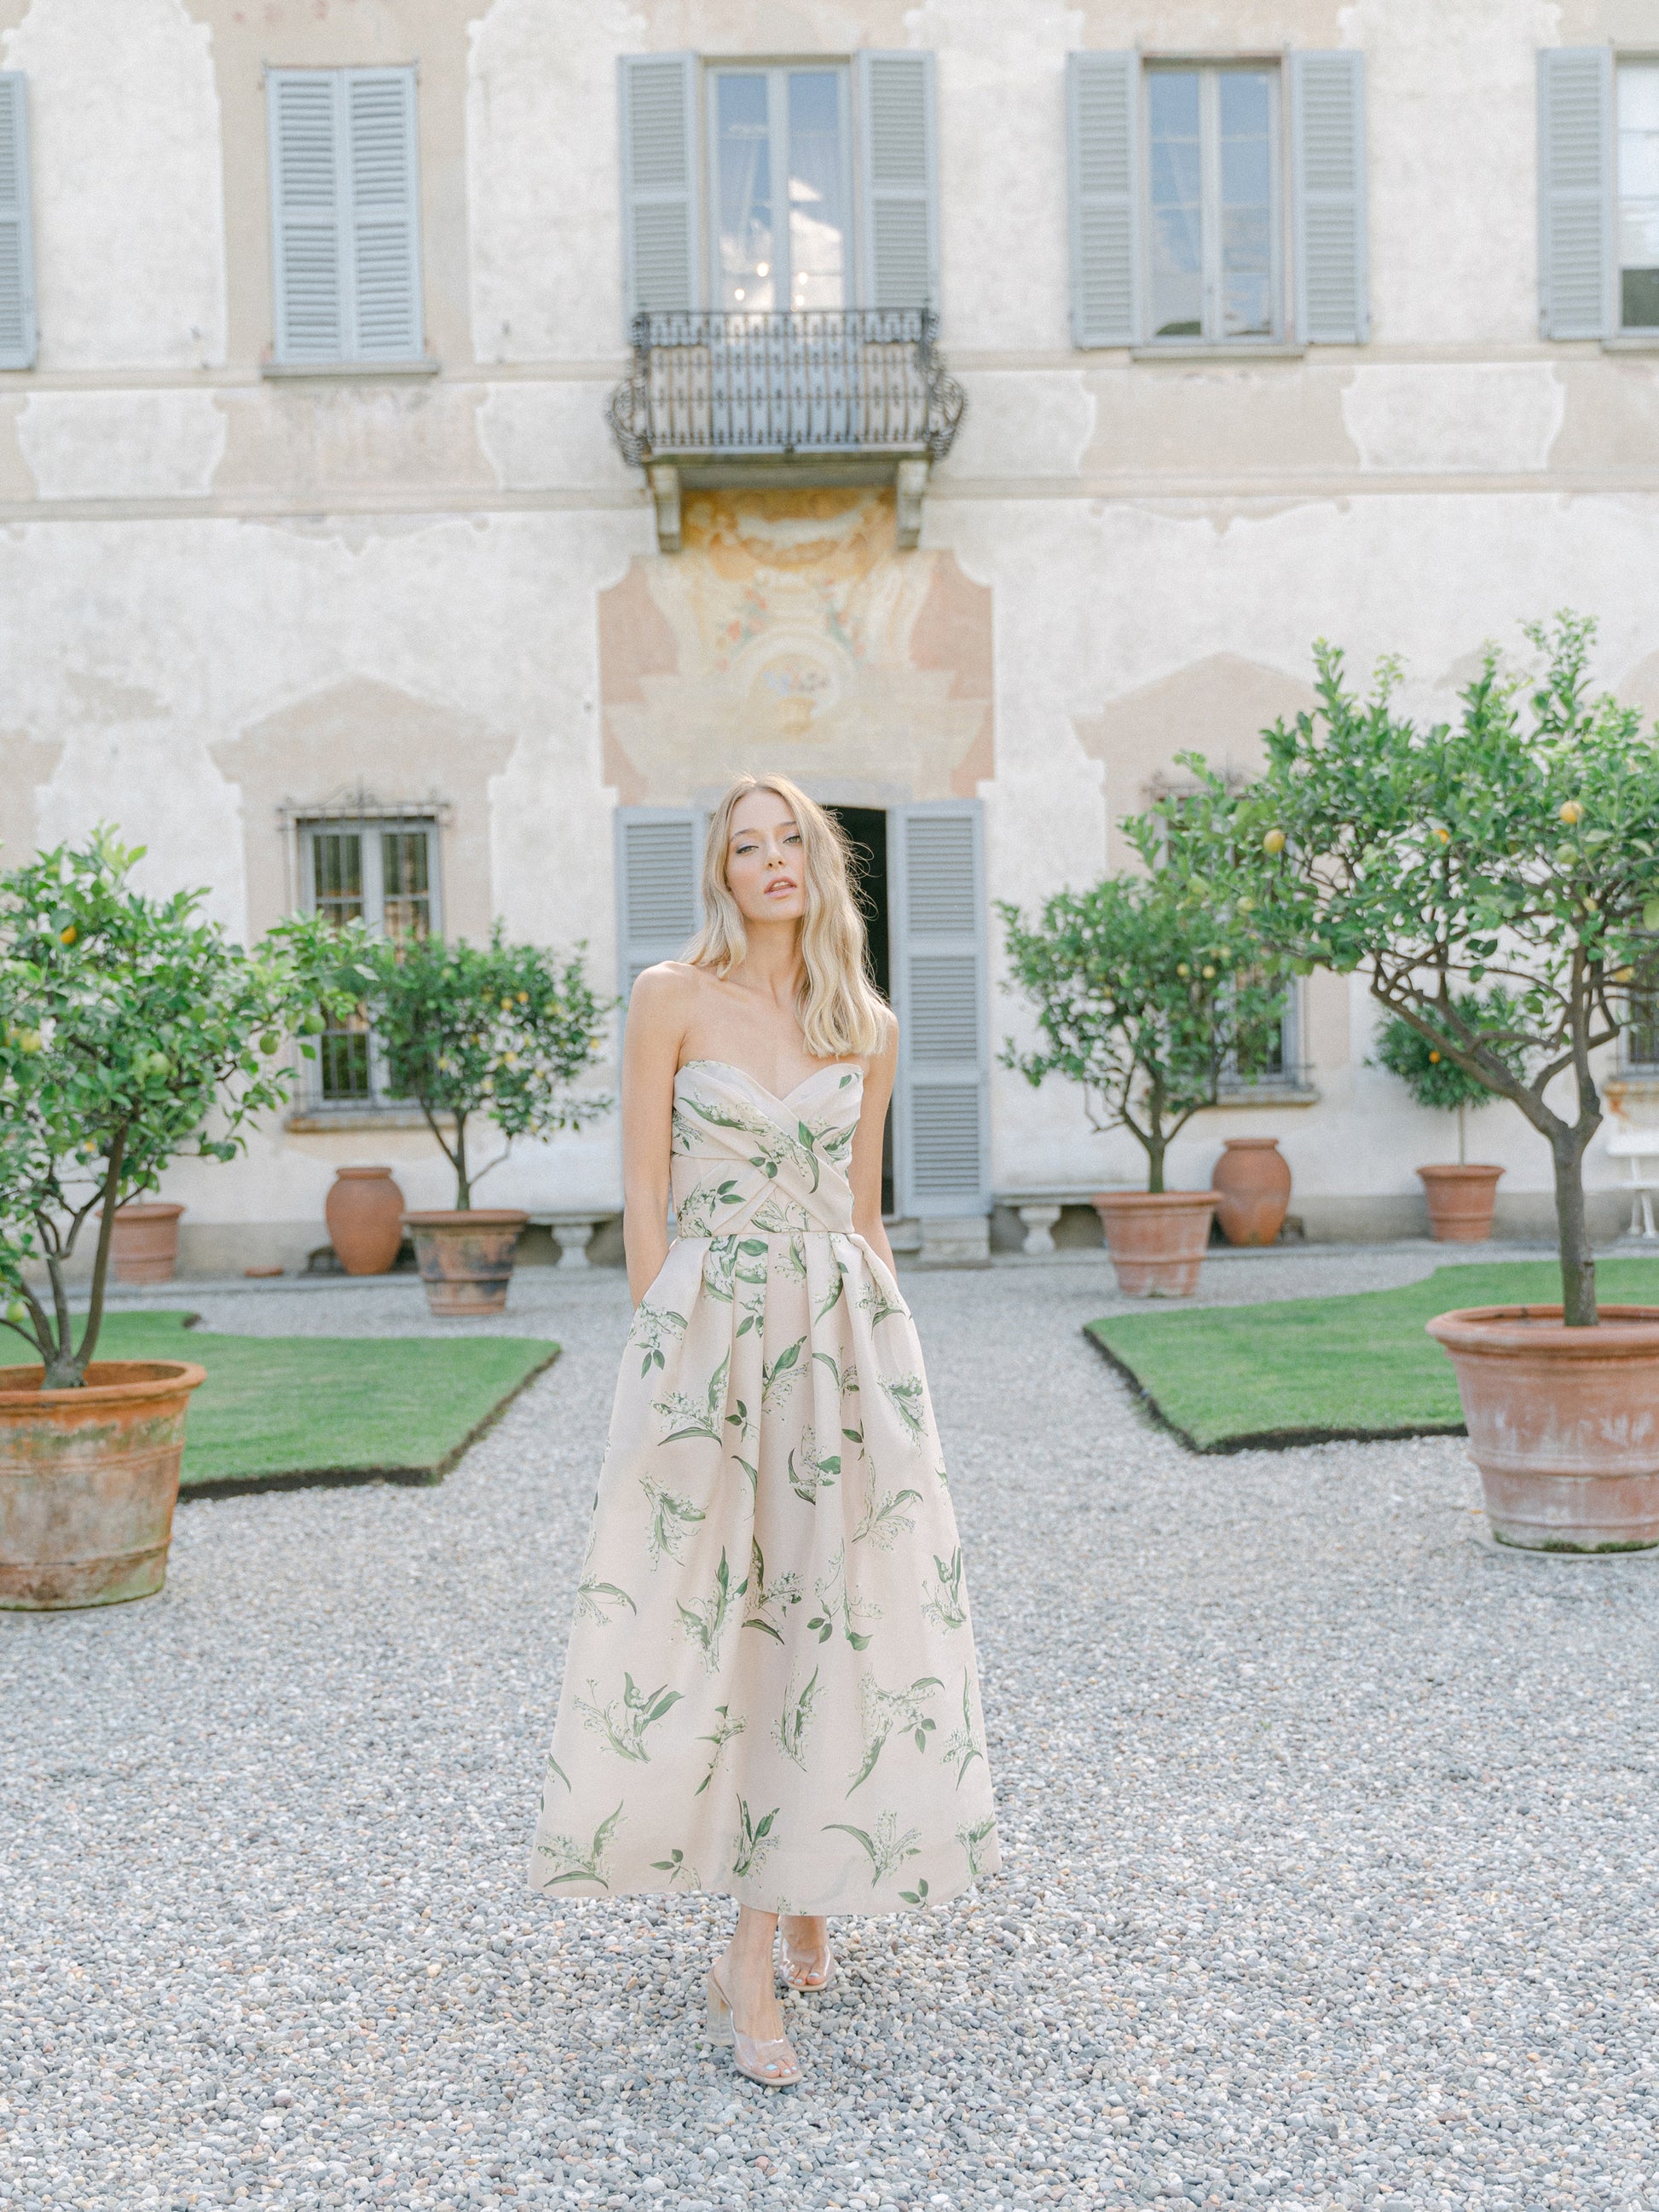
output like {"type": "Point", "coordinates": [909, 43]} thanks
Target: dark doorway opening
{"type": "Point", "coordinates": [865, 831]}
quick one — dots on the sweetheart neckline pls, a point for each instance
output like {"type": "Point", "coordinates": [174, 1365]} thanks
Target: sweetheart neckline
{"type": "Point", "coordinates": [778, 1098]}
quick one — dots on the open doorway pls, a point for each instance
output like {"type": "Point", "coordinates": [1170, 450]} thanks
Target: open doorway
{"type": "Point", "coordinates": [866, 830]}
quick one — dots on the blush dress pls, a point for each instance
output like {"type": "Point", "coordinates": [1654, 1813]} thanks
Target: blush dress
{"type": "Point", "coordinates": [769, 1689]}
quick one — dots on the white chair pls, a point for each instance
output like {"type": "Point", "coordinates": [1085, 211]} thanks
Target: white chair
{"type": "Point", "coordinates": [1639, 1148]}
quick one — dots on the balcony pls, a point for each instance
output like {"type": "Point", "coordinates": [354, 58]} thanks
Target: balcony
{"type": "Point", "coordinates": [847, 395]}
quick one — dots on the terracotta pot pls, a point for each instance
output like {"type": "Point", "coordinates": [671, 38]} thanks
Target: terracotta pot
{"type": "Point", "coordinates": [1461, 1202]}
{"type": "Point", "coordinates": [144, 1246]}
{"type": "Point", "coordinates": [1564, 1423]}
{"type": "Point", "coordinates": [89, 1480]}
{"type": "Point", "coordinates": [364, 1210]}
{"type": "Point", "coordinates": [1156, 1240]}
{"type": "Point", "coordinates": [1252, 1183]}
{"type": "Point", "coordinates": [466, 1258]}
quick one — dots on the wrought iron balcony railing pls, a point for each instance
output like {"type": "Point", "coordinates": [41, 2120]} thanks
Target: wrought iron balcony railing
{"type": "Point", "coordinates": [850, 380]}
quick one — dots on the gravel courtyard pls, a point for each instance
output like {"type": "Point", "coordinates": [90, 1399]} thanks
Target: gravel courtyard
{"type": "Point", "coordinates": [1329, 1832]}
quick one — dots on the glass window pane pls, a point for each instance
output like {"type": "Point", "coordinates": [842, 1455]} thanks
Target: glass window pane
{"type": "Point", "coordinates": [743, 151]}
{"type": "Point", "coordinates": [1639, 194]}
{"type": "Point", "coordinates": [1176, 240]}
{"type": "Point", "coordinates": [407, 913]}
{"type": "Point", "coordinates": [1246, 165]}
{"type": "Point", "coordinates": [337, 864]}
{"type": "Point", "coordinates": [819, 224]}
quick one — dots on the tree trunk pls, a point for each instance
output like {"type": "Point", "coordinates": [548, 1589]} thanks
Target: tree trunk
{"type": "Point", "coordinates": [1578, 1268]}
{"type": "Point", "coordinates": [463, 1181]}
{"type": "Point", "coordinates": [64, 1371]}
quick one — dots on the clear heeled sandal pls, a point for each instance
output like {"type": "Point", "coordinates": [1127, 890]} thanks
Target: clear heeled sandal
{"type": "Point", "coordinates": [808, 1971]}
{"type": "Point", "coordinates": [771, 2062]}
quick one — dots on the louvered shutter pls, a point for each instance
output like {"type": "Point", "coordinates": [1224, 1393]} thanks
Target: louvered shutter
{"type": "Point", "coordinates": [305, 199]}
{"type": "Point", "coordinates": [1102, 106]}
{"type": "Point", "coordinates": [662, 225]}
{"type": "Point", "coordinates": [1575, 192]}
{"type": "Point", "coordinates": [17, 335]}
{"type": "Point", "coordinates": [659, 865]}
{"type": "Point", "coordinates": [898, 170]}
{"type": "Point", "coordinates": [1327, 168]}
{"type": "Point", "coordinates": [384, 225]}
{"type": "Point", "coordinates": [941, 1119]}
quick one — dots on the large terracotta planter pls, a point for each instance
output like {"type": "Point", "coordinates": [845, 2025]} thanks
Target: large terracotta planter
{"type": "Point", "coordinates": [466, 1258]}
{"type": "Point", "coordinates": [1563, 1423]}
{"type": "Point", "coordinates": [143, 1245]}
{"type": "Point", "coordinates": [1156, 1240]}
{"type": "Point", "coordinates": [364, 1210]}
{"type": "Point", "coordinates": [1461, 1202]}
{"type": "Point", "coordinates": [89, 1480]}
{"type": "Point", "coordinates": [1252, 1184]}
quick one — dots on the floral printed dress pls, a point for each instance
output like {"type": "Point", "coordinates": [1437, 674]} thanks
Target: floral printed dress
{"type": "Point", "coordinates": [770, 1688]}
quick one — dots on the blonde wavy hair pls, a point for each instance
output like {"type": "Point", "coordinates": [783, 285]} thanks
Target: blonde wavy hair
{"type": "Point", "coordinates": [842, 1013]}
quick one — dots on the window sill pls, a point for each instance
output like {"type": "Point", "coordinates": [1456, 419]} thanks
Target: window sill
{"type": "Point", "coordinates": [330, 1121]}
{"type": "Point", "coordinates": [1197, 349]}
{"type": "Point", "coordinates": [1640, 1084]}
{"type": "Point", "coordinates": [1631, 341]}
{"type": "Point", "coordinates": [332, 371]}
{"type": "Point", "coordinates": [1268, 1094]}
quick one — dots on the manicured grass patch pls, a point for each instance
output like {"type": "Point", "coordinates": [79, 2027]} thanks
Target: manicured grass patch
{"type": "Point", "coordinates": [1228, 1377]}
{"type": "Point", "coordinates": [279, 1413]}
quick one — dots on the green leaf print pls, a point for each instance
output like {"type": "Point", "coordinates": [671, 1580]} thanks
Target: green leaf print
{"type": "Point", "coordinates": [837, 1606]}
{"type": "Point", "coordinates": [680, 1870]}
{"type": "Point", "coordinates": [776, 1217]}
{"type": "Point", "coordinates": [755, 1840]}
{"type": "Point", "coordinates": [554, 1767]}
{"type": "Point", "coordinates": [885, 1712]}
{"type": "Point", "coordinates": [886, 1849]}
{"type": "Point", "coordinates": [874, 1301]}
{"type": "Point", "coordinates": [845, 1380]}
{"type": "Point", "coordinates": [884, 1519]}
{"type": "Point", "coordinates": [623, 1722]}
{"type": "Point", "coordinates": [724, 1729]}
{"type": "Point", "coordinates": [592, 1598]}
{"type": "Point", "coordinates": [704, 1622]}
{"type": "Point", "coordinates": [768, 1602]}
{"type": "Point", "coordinates": [695, 1214]}
{"type": "Point", "coordinates": [573, 1862]}
{"type": "Point", "coordinates": [919, 1894]}
{"type": "Point", "coordinates": [733, 1259]}
{"type": "Point", "coordinates": [828, 1302]}
{"type": "Point", "coordinates": [652, 1327]}
{"type": "Point", "coordinates": [963, 1747]}
{"type": "Point", "coordinates": [671, 1516]}
{"type": "Point", "coordinates": [945, 1604]}
{"type": "Point", "coordinates": [973, 1841]}
{"type": "Point", "coordinates": [810, 1469]}
{"type": "Point", "coordinates": [790, 1733]}
{"type": "Point", "coordinates": [685, 1417]}
{"type": "Point", "coordinates": [908, 1395]}
{"type": "Point", "coordinates": [790, 1260]}
{"type": "Point", "coordinates": [778, 1379]}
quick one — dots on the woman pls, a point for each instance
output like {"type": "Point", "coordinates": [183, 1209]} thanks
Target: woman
{"type": "Point", "coordinates": [769, 1691]}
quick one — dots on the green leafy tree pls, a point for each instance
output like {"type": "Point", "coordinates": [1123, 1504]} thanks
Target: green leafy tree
{"type": "Point", "coordinates": [1143, 997]}
{"type": "Point", "coordinates": [496, 1033]}
{"type": "Point", "coordinates": [1423, 1066]}
{"type": "Point", "coordinates": [131, 1031]}
{"type": "Point", "coordinates": [1518, 845]}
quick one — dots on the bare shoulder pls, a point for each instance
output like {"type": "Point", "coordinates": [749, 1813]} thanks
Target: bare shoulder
{"type": "Point", "coordinates": [666, 992]}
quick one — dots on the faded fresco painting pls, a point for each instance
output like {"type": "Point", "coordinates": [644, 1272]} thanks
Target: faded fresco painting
{"type": "Point", "coordinates": [791, 633]}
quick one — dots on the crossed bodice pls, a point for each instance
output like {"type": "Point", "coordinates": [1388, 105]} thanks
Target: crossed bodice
{"type": "Point", "coordinates": [744, 1159]}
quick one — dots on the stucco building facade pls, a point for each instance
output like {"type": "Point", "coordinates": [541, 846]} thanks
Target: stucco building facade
{"type": "Point", "coordinates": [1022, 390]}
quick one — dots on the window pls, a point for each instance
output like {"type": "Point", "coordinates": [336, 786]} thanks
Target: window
{"type": "Point", "coordinates": [344, 216]}
{"type": "Point", "coordinates": [1637, 96]}
{"type": "Point", "coordinates": [1640, 1035]}
{"type": "Point", "coordinates": [1269, 1056]}
{"type": "Point", "coordinates": [781, 189]}
{"type": "Point", "coordinates": [383, 873]}
{"type": "Point", "coordinates": [1212, 166]}
{"type": "Point", "coordinates": [17, 334]}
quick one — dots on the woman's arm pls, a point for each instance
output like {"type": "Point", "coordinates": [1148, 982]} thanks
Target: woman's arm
{"type": "Point", "coordinates": [651, 1051]}
{"type": "Point", "coordinates": [866, 1147]}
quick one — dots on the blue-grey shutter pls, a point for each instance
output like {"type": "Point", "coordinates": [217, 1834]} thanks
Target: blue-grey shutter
{"type": "Point", "coordinates": [941, 1124]}
{"type": "Point", "coordinates": [308, 269]}
{"type": "Point", "coordinates": [1102, 110]}
{"type": "Point", "coordinates": [662, 226]}
{"type": "Point", "coordinates": [17, 332]}
{"type": "Point", "coordinates": [659, 870]}
{"type": "Point", "coordinates": [1575, 192]}
{"type": "Point", "coordinates": [898, 171]}
{"type": "Point", "coordinates": [384, 227]}
{"type": "Point", "coordinates": [1327, 169]}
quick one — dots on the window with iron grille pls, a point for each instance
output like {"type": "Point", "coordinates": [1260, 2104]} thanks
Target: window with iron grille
{"type": "Point", "coordinates": [1270, 1054]}
{"type": "Point", "coordinates": [1640, 1036]}
{"type": "Point", "coordinates": [382, 871]}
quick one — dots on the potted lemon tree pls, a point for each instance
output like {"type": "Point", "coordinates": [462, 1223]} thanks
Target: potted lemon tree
{"type": "Point", "coordinates": [1516, 847]}
{"type": "Point", "coordinates": [484, 1037]}
{"type": "Point", "coordinates": [132, 1031]}
{"type": "Point", "coordinates": [1462, 1195]}
{"type": "Point", "coordinates": [1145, 998]}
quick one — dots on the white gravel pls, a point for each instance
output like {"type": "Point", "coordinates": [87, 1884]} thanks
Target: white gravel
{"type": "Point", "coordinates": [1330, 1837]}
